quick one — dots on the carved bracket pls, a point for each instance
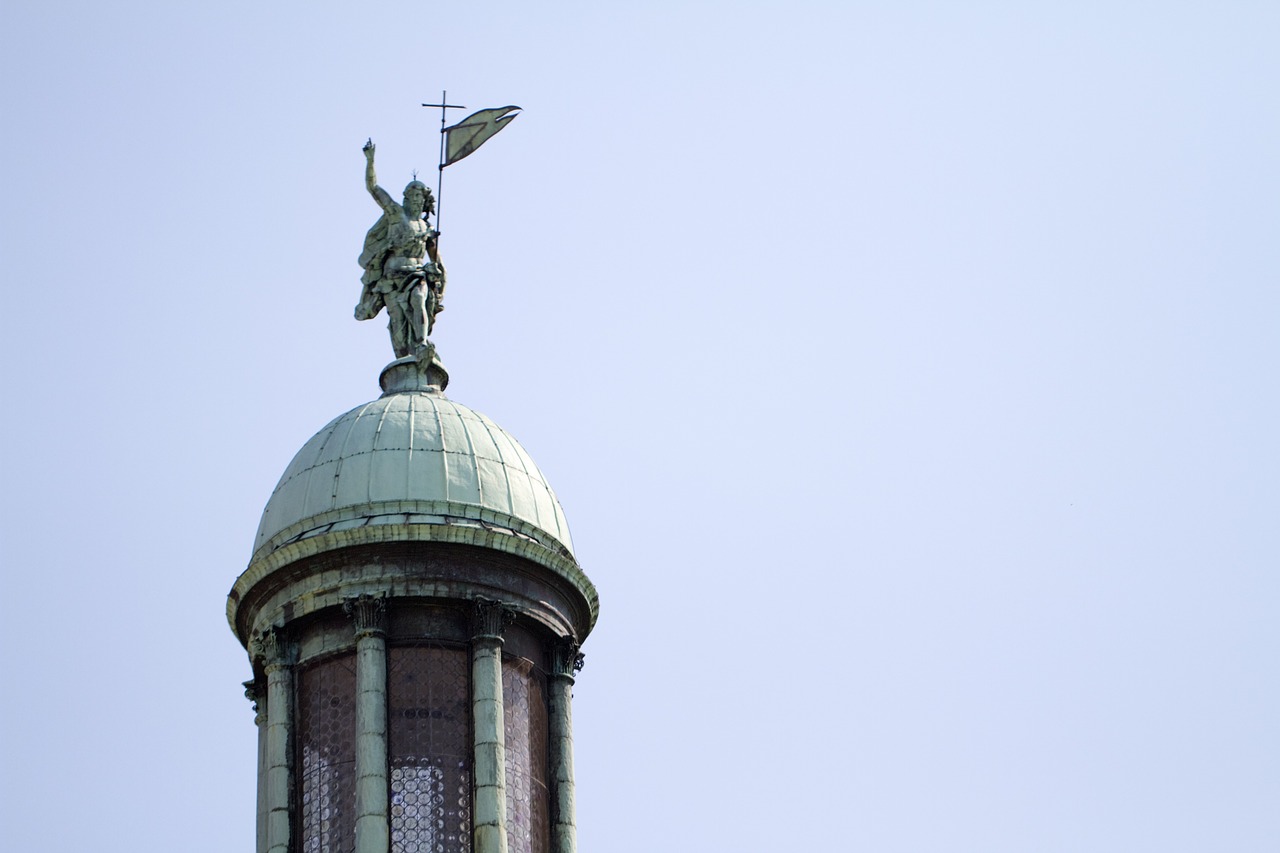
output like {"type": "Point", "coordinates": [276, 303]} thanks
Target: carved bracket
{"type": "Point", "coordinates": [273, 650]}
{"type": "Point", "coordinates": [490, 619]}
{"type": "Point", "coordinates": [369, 613]}
{"type": "Point", "coordinates": [251, 693]}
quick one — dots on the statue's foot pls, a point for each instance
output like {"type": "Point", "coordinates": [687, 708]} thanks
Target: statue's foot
{"type": "Point", "coordinates": [424, 354]}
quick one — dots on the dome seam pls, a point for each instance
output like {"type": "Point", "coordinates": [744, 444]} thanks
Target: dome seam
{"type": "Point", "coordinates": [471, 451]}
{"type": "Point", "coordinates": [337, 468]}
{"type": "Point", "coordinates": [328, 430]}
{"type": "Point", "coordinates": [377, 433]}
{"type": "Point", "coordinates": [444, 458]}
{"type": "Point", "coordinates": [506, 473]}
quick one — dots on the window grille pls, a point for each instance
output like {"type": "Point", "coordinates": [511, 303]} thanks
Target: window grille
{"type": "Point", "coordinates": [429, 749]}
{"type": "Point", "coordinates": [326, 756]}
{"type": "Point", "coordinates": [526, 733]}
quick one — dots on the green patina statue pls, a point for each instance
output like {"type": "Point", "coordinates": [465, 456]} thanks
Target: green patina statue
{"type": "Point", "coordinates": [402, 269]}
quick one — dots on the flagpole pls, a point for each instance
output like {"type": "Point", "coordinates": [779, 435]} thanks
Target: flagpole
{"type": "Point", "coordinates": [444, 99]}
{"type": "Point", "coordinates": [444, 106]}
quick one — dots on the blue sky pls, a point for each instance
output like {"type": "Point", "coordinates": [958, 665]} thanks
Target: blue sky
{"type": "Point", "coordinates": [905, 371]}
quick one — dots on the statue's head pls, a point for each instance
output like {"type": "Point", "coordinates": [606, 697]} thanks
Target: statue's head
{"type": "Point", "coordinates": [418, 199]}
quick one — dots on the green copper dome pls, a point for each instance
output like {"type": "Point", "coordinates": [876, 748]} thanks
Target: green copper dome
{"type": "Point", "coordinates": [414, 459]}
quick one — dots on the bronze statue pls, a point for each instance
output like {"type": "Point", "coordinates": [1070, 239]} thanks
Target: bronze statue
{"type": "Point", "coordinates": [402, 269]}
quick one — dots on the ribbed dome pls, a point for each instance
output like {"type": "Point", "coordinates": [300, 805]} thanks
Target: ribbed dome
{"type": "Point", "coordinates": [412, 458]}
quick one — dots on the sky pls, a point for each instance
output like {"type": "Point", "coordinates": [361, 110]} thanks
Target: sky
{"type": "Point", "coordinates": [905, 370]}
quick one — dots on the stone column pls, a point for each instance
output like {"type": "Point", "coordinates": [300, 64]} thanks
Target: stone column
{"type": "Point", "coordinates": [490, 820]}
{"type": "Point", "coordinates": [278, 656]}
{"type": "Point", "coordinates": [372, 828]}
{"type": "Point", "coordinates": [565, 661]}
{"type": "Point", "coordinates": [260, 721]}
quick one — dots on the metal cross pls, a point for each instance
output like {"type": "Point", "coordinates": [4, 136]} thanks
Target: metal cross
{"type": "Point", "coordinates": [444, 106]}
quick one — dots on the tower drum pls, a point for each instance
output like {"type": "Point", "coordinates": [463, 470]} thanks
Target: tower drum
{"type": "Point", "coordinates": [413, 611]}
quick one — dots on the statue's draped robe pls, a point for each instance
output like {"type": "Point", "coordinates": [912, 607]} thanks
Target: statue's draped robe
{"type": "Point", "coordinates": [380, 289]}
{"type": "Point", "coordinates": [377, 246]}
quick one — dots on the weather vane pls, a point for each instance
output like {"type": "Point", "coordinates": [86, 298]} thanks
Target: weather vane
{"type": "Point", "coordinates": [401, 259]}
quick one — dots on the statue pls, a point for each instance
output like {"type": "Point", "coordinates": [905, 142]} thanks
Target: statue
{"type": "Point", "coordinates": [402, 269]}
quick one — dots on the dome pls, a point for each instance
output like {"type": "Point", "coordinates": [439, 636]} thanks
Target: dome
{"type": "Point", "coordinates": [413, 459]}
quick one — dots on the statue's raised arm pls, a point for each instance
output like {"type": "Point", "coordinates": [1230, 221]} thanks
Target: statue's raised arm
{"type": "Point", "coordinates": [381, 196]}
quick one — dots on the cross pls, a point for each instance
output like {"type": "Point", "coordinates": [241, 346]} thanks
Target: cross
{"type": "Point", "coordinates": [444, 106]}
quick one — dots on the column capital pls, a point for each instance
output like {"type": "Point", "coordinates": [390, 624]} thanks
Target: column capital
{"type": "Point", "coordinates": [566, 660]}
{"type": "Point", "coordinates": [489, 619]}
{"type": "Point", "coordinates": [273, 649]}
{"type": "Point", "coordinates": [369, 613]}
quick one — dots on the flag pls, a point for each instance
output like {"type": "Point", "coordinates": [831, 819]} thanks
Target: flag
{"type": "Point", "coordinates": [473, 131]}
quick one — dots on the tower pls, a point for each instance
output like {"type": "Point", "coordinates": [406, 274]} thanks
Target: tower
{"type": "Point", "coordinates": [413, 611]}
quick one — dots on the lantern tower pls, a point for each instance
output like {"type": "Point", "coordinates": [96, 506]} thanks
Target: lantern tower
{"type": "Point", "coordinates": [413, 608]}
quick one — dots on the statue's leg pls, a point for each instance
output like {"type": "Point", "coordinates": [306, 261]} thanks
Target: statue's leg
{"type": "Point", "coordinates": [397, 324]}
{"type": "Point", "coordinates": [417, 311]}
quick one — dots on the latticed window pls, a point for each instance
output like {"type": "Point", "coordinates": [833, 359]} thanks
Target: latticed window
{"type": "Point", "coordinates": [326, 755]}
{"type": "Point", "coordinates": [429, 717]}
{"type": "Point", "coordinates": [525, 707]}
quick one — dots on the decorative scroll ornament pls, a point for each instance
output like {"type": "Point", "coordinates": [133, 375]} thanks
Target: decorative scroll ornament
{"type": "Point", "coordinates": [566, 660]}
{"type": "Point", "coordinates": [369, 613]}
{"type": "Point", "coordinates": [273, 650]}
{"type": "Point", "coordinates": [251, 693]}
{"type": "Point", "coordinates": [490, 619]}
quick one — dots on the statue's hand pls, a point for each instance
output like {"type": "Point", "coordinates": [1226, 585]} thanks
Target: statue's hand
{"type": "Point", "coordinates": [368, 149]}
